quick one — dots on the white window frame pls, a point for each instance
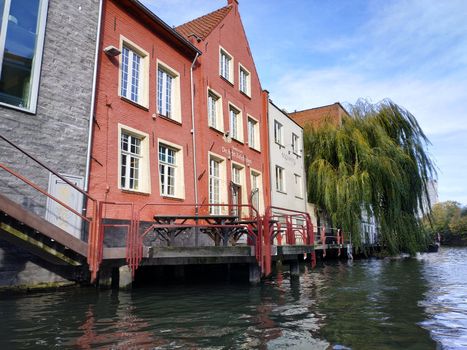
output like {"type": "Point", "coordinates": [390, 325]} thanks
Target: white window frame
{"type": "Point", "coordinates": [244, 84]}
{"type": "Point", "coordinates": [226, 72]}
{"type": "Point", "coordinates": [298, 184]}
{"type": "Point", "coordinates": [278, 133]}
{"type": "Point", "coordinates": [237, 174]}
{"type": "Point", "coordinates": [220, 179]}
{"type": "Point", "coordinates": [219, 115]}
{"type": "Point", "coordinates": [295, 144]}
{"type": "Point", "coordinates": [259, 178]}
{"type": "Point", "coordinates": [144, 181]}
{"type": "Point", "coordinates": [254, 137]}
{"type": "Point", "coordinates": [175, 97]}
{"type": "Point", "coordinates": [179, 175]}
{"type": "Point", "coordinates": [236, 126]}
{"type": "Point", "coordinates": [143, 74]}
{"type": "Point", "coordinates": [36, 66]}
{"type": "Point", "coordinates": [240, 181]}
{"type": "Point", "coordinates": [280, 179]}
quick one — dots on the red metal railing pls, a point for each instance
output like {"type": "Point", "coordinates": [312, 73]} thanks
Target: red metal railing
{"type": "Point", "coordinates": [94, 256]}
{"type": "Point", "coordinates": [196, 217]}
{"type": "Point", "coordinates": [337, 239]}
{"type": "Point", "coordinates": [282, 222]}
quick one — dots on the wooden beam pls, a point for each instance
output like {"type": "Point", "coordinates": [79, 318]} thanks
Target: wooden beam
{"type": "Point", "coordinates": [43, 226]}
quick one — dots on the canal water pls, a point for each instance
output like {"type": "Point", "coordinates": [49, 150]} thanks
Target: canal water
{"type": "Point", "coordinates": [417, 303]}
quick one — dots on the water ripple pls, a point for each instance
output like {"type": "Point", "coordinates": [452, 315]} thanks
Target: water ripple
{"type": "Point", "coordinates": [371, 304]}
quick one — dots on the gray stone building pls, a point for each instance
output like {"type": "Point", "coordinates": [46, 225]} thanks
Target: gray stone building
{"type": "Point", "coordinates": [47, 62]}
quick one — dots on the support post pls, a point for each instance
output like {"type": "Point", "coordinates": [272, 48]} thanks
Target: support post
{"type": "Point", "coordinates": [255, 274]}
{"type": "Point", "coordinates": [125, 279]}
{"type": "Point", "coordinates": [294, 268]}
{"type": "Point", "coordinates": [105, 277]}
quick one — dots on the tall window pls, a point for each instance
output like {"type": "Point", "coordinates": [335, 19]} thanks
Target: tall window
{"type": "Point", "coordinates": [280, 185]}
{"type": "Point", "coordinates": [236, 175]}
{"type": "Point", "coordinates": [165, 89]}
{"type": "Point", "coordinates": [235, 123]}
{"type": "Point", "coordinates": [244, 81]}
{"type": "Point", "coordinates": [225, 65]}
{"type": "Point", "coordinates": [295, 143]}
{"type": "Point", "coordinates": [298, 186]}
{"type": "Point", "coordinates": [21, 42]}
{"type": "Point", "coordinates": [213, 110]}
{"type": "Point", "coordinates": [253, 133]}
{"type": "Point", "coordinates": [255, 188]}
{"type": "Point", "coordinates": [278, 133]}
{"type": "Point", "coordinates": [236, 188]}
{"type": "Point", "coordinates": [214, 185]}
{"type": "Point", "coordinates": [131, 79]}
{"type": "Point", "coordinates": [167, 170]}
{"type": "Point", "coordinates": [131, 157]}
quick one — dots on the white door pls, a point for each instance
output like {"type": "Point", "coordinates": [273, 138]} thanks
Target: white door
{"type": "Point", "coordinates": [58, 214]}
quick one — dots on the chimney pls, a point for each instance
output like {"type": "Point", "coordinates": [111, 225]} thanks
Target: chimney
{"type": "Point", "coordinates": [232, 2]}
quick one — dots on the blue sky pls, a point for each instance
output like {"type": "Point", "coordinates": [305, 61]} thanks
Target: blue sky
{"type": "Point", "coordinates": [310, 53]}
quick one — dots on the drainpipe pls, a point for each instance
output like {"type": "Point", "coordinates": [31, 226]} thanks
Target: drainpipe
{"type": "Point", "coordinates": [193, 133]}
{"type": "Point", "coordinates": [93, 99]}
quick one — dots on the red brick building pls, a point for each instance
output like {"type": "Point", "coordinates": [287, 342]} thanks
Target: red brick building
{"type": "Point", "coordinates": [151, 143]}
{"type": "Point", "coordinates": [142, 143]}
{"type": "Point", "coordinates": [231, 112]}
{"type": "Point", "coordinates": [318, 115]}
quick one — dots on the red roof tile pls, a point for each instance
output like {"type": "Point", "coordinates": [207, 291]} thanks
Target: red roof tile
{"type": "Point", "coordinates": [203, 26]}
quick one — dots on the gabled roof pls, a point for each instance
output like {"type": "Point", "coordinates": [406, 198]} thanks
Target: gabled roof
{"type": "Point", "coordinates": [204, 25]}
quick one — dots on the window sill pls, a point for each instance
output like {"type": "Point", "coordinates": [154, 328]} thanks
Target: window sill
{"type": "Point", "coordinates": [25, 110]}
{"type": "Point", "coordinates": [216, 130]}
{"type": "Point", "coordinates": [178, 199]}
{"type": "Point", "coordinates": [135, 192]}
{"type": "Point", "coordinates": [238, 141]}
{"type": "Point", "coordinates": [298, 155]}
{"type": "Point", "coordinates": [136, 104]}
{"type": "Point", "coordinates": [245, 94]}
{"type": "Point", "coordinates": [281, 191]}
{"type": "Point", "coordinates": [279, 144]}
{"type": "Point", "coordinates": [255, 149]}
{"type": "Point", "coordinates": [175, 121]}
{"type": "Point", "coordinates": [298, 197]}
{"type": "Point", "coordinates": [227, 80]}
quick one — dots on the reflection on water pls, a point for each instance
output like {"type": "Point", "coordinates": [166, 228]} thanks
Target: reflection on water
{"type": "Point", "coordinates": [446, 301]}
{"type": "Point", "coordinates": [375, 304]}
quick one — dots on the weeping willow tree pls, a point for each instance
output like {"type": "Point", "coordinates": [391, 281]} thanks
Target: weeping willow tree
{"type": "Point", "coordinates": [375, 162]}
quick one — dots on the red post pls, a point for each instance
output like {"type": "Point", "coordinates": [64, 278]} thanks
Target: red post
{"type": "Point", "coordinates": [323, 239]}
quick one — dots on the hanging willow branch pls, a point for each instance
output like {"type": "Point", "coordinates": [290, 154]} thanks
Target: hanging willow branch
{"type": "Point", "coordinates": [375, 162]}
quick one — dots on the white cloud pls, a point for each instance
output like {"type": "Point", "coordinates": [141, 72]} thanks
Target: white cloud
{"type": "Point", "coordinates": [429, 101]}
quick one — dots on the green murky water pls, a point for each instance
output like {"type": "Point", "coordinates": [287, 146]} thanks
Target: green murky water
{"type": "Point", "coordinates": [377, 304]}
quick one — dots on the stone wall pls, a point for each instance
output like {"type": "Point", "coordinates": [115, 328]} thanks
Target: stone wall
{"type": "Point", "coordinates": [21, 270]}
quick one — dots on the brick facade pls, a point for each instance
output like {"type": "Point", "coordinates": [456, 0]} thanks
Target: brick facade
{"type": "Point", "coordinates": [227, 34]}
{"type": "Point", "coordinates": [123, 20]}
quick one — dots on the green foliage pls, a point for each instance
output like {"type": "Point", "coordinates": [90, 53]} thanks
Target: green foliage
{"type": "Point", "coordinates": [374, 162]}
{"type": "Point", "coordinates": [448, 218]}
